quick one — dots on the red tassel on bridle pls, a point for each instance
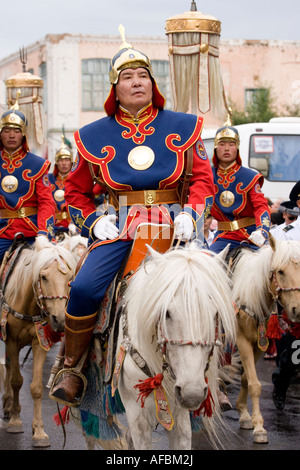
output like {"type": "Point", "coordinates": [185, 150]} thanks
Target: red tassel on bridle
{"type": "Point", "coordinates": [207, 407]}
{"type": "Point", "coordinates": [52, 336]}
{"type": "Point", "coordinates": [273, 330]}
{"type": "Point", "coordinates": [147, 386]}
{"type": "Point", "coordinates": [62, 417]}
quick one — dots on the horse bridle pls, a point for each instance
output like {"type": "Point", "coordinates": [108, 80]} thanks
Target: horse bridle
{"type": "Point", "coordinates": [162, 345]}
{"type": "Point", "coordinates": [39, 300]}
{"type": "Point", "coordinates": [40, 297]}
{"type": "Point", "coordinates": [279, 289]}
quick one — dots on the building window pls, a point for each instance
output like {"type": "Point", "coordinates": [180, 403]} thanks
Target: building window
{"type": "Point", "coordinates": [161, 73]}
{"type": "Point", "coordinates": [96, 85]}
{"type": "Point", "coordinates": [252, 94]}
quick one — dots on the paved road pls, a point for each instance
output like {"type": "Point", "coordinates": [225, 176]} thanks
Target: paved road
{"type": "Point", "coordinates": [283, 427]}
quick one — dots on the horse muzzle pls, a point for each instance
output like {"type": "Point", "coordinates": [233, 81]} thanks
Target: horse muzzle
{"type": "Point", "coordinates": [294, 314]}
{"type": "Point", "coordinates": [190, 398]}
{"type": "Point", "coordinates": [57, 324]}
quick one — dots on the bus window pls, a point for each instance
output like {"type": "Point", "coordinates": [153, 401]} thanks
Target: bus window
{"type": "Point", "coordinates": [276, 156]}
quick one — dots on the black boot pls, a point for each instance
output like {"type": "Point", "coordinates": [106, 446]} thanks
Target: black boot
{"type": "Point", "coordinates": [279, 396]}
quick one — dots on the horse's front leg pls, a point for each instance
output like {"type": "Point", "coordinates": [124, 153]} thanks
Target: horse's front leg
{"type": "Point", "coordinates": [13, 384]}
{"type": "Point", "coordinates": [251, 384]}
{"type": "Point", "coordinates": [180, 436]}
{"type": "Point", "coordinates": [259, 433]}
{"type": "Point", "coordinates": [141, 421]}
{"type": "Point", "coordinates": [39, 437]}
{"type": "Point", "coordinates": [7, 395]}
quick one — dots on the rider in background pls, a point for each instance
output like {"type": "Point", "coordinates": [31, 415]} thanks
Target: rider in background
{"type": "Point", "coordinates": [240, 207]}
{"type": "Point", "coordinates": [62, 167]}
{"type": "Point", "coordinates": [26, 203]}
{"type": "Point", "coordinates": [136, 155]}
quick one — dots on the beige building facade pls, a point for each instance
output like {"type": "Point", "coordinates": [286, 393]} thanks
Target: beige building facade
{"type": "Point", "coordinates": [74, 69]}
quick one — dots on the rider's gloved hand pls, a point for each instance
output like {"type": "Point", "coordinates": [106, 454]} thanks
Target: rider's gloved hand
{"type": "Point", "coordinates": [72, 229]}
{"type": "Point", "coordinates": [105, 228]}
{"type": "Point", "coordinates": [257, 238]}
{"type": "Point", "coordinates": [41, 241]}
{"type": "Point", "coordinates": [184, 227]}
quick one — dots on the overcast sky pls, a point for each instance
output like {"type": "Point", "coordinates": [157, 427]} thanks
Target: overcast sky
{"type": "Point", "coordinates": [24, 22]}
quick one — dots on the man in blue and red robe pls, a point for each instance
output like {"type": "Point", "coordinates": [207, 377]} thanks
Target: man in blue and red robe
{"type": "Point", "coordinates": [62, 167]}
{"type": "Point", "coordinates": [136, 155]}
{"type": "Point", "coordinates": [26, 203]}
{"type": "Point", "coordinates": [240, 207]}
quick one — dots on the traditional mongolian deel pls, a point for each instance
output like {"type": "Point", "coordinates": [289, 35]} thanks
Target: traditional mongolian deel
{"type": "Point", "coordinates": [238, 196]}
{"type": "Point", "coordinates": [57, 180]}
{"type": "Point", "coordinates": [24, 195]}
{"type": "Point", "coordinates": [134, 156]}
{"type": "Point", "coordinates": [58, 191]}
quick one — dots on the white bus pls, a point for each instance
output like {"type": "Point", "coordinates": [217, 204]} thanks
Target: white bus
{"type": "Point", "coordinates": [272, 148]}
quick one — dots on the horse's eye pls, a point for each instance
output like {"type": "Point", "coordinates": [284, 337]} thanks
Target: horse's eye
{"type": "Point", "coordinates": [281, 272]}
{"type": "Point", "coordinates": [168, 316]}
{"type": "Point", "coordinates": [43, 278]}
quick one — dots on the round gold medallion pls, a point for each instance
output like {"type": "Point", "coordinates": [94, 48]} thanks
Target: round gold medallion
{"type": "Point", "coordinates": [141, 158]}
{"type": "Point", "coordinates": [227, 198]}
{"type": "Point", "coordinates": [9, 184]}
{"type": "Point", "coordinates": [59, 195]}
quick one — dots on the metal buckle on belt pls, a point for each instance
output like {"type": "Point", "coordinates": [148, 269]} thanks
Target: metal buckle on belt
{"type": "Point", "coordinates": [21, 212]}
{"type": "Point", "coordinates": [234, 225]}
{"type": "Point", "coordinates": [149, 197]}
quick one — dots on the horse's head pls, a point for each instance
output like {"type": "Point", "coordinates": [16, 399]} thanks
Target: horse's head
{"type": "Point", "coordinates": [54, 268]}
{"type": "Point", "coordinates": [187, 358]}
{"type": "Point", "coordinates": [178, 298]}
{"type": "Point", "coordinates": [285, 276]}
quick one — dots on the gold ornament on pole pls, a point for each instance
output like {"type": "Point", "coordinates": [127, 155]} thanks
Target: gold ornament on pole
{"type": "Point", "coordinates": [30, 102]}
{"type": "Point", "coordinates": [195, 70]}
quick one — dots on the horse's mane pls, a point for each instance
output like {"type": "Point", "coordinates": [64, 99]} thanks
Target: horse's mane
{"type": "Point", "coordinates": [30, 263]}
{"type": "Point", "coordinates": [201, 281]}
{"type": "Point", "coordinates": [251, 275]}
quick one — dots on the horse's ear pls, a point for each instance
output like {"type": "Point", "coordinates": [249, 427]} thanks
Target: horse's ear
{"type": "Point", "coordinates": [41, 242]}
{"type": "Point", "coordinates": [222, 255]}
{"type": "Point", "coordinates": [66, 242]}
{"type": "Point", "coordinates": [272, 242]}
{"type": "Point", "coordinates": [153, 252]}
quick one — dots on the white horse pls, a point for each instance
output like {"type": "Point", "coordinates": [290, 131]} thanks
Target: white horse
{"type": "Point", "coordinates": [260, 279]}
{"type": "Point", "coordinates": [178, 306]}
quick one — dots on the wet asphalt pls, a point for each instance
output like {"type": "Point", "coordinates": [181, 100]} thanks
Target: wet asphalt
{"type": "Point", "coordinates": [283, 426]}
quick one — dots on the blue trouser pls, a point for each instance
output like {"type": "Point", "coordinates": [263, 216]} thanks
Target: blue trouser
{"type": "Point", "coordinates": [94, 277]}
{"type": "Point", "coordinates": [5, 244]}
{"type": "Point", "coordinates": [221, 243]}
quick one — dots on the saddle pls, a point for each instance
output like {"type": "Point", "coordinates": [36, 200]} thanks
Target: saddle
{"type": "Point", "coordinates": [10, 259]}
{"type": "Point", "coordinates": [233, 255]}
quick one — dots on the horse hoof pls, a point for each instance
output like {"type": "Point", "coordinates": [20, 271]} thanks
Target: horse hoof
{"type": "Point", "coordinates": [41, 442]}
{"type": "Point", "coordinates": [247, 424]}
{"type": "Point", "coordinates": [15, 429]}
{"type": "Point", "coordinates": [260, 437]}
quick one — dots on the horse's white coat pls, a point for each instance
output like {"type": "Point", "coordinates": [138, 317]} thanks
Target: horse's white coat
{"type": "Point", "coordinates": [178, 294]}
